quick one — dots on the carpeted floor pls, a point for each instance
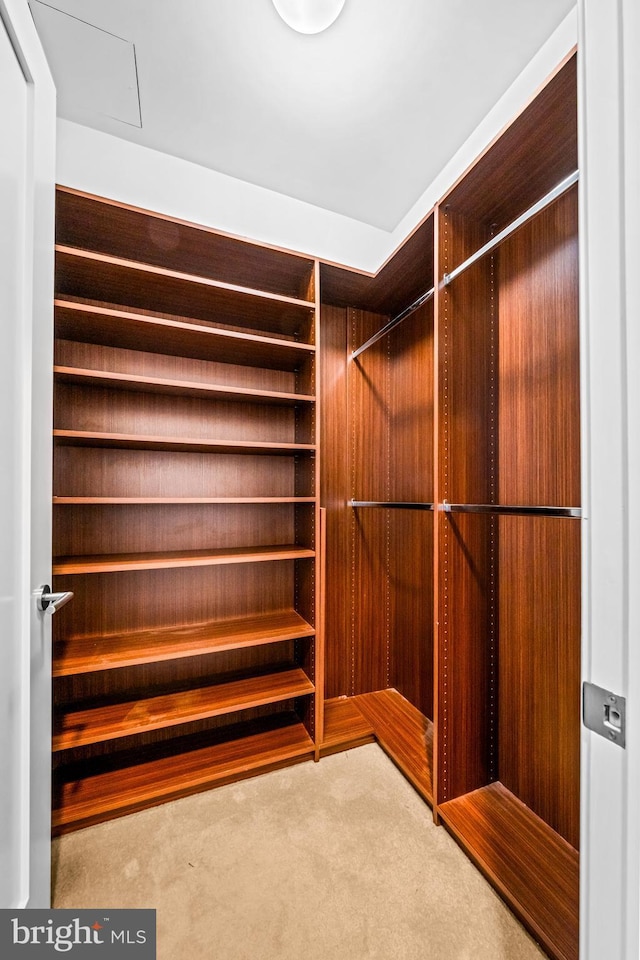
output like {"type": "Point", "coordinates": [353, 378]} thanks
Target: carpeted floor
{"type": "Point", "coordinates": [337, 860]}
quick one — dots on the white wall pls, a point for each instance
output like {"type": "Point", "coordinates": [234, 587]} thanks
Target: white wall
{"type": "Point", "coordinates": [102, 164]}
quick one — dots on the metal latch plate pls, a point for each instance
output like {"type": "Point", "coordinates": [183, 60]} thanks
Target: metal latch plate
{"type": "Point", "coordinates": [604, 713]}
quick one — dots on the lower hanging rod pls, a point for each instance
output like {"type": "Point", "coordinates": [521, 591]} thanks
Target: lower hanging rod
{"type": "Point", "coordinates": [518, 511]}
{"type": "Point", "coordinates": [557, 191]}
{"type": "Point", "coordinates": [391, 504]}
{"type": "Point", "coordinates": [424, 298]}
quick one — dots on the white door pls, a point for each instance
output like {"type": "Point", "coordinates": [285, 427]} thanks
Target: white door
{"type": "Point", "coordinates": [27, 125]}
{"type": "Point", "coordinates": [610, 277]}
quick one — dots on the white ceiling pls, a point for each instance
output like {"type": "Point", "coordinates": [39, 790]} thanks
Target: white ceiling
{"type": "Point", "coordinates": [357, 120]}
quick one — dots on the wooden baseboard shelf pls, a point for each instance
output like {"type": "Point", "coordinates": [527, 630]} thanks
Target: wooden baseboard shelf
{"type": "Point", "coordinates": [344, 727]}
{"type": "Point", "coordinates": [182, 767]}
{"type": "Point", "coordinates": [115, 563]}
{"type": "Point", "coordinates": [404, 734]}
{"type": "Point", "coordinates": [531, 866]}
{"type": "Point", "coordinates": [78, 728]}
{"type": "Point", "coordinates": [91, 654]}
{"type": "Point", "coordinates": [111, 326]}
{"type": "Point", "coordinates": [387, 717]}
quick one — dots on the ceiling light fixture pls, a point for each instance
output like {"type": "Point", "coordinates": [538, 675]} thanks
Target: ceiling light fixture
{"type": "Point", "coordinates": [309, 16]}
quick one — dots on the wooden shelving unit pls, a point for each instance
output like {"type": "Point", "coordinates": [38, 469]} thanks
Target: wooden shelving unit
{"type": "Point", "coordinates": [93, 792]}
{"type": "Point", "coordinates": [185, 509]}
{"type": "Point", "coordinates": [91, 654]}
{"type": "Point", "coordinates": [76, 728]}
{"type": "Point", "coordinates": [508, 604]}
{"type": "Point", "coordinates": [111, 327]}
{"type": "Point", "coordinates": [451, 632]}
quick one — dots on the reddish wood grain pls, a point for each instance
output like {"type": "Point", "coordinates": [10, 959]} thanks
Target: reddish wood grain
{"type": "Point", "coordinates": [528, 863]}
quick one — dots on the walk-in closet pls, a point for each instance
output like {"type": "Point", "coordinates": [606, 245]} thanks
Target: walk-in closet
{"type": "Point", "coordinates": [302, 508]}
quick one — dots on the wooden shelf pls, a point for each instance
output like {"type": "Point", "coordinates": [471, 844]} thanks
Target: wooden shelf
{"type": "Point", "coordinates": [98, 276]}
{"type": "Point", "coordinates": [183, 767]}
{"type": "Point", "coordinates": [122, 381]}
{"type": "Point", "coordinates": [533, 868]}
{"type": "Point", "coordinates": [110, 327]}
{"type": "Point", "coordinates": [124, 441]}
{"type": "Point", "coordinates": [344, 726]}
{"type": "Point", "coordinates": [77, 728]}
{"type": "Point", "coordinates": [404, 734]}
{"type": "Point", "coordinates": [70, 501]}
{"type": "Point", "coordinates": [65, 566]}
{"type": "Point", "coordinates": [91, 654]}
{"type": "Point", "coordinates": [97, 223]}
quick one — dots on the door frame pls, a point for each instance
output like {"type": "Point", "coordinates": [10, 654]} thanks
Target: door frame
{"type": "Point", "coordinates": [34, 882]}
{"type": "Point", "coordinates": [609, 97]}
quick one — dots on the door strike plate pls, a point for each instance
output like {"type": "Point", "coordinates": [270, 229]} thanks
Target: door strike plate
{"type": "Point", "coordinates": [604, 712]}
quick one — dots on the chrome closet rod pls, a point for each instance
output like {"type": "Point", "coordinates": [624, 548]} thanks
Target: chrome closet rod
{"type": "Point", "coordinates": [391, 504]}
{"type": "Point", "coordinates": [394, 322]}
{"type": "Point", "coordinates": [520, 511]}
{"type": "Point", "coordinates": [527, 215]}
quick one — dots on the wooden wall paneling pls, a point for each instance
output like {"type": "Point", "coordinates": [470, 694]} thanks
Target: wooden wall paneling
{"type": "Point", "coordinates": [369, 396]}
{"type": "Point", "coordinates": [411, 424]}
{"type": "Point", "coordinates": [406, 275]}
{"type": "Point", "coordinates": [91, 471]}
{"type": "Point", "coordinates": [97, 409]}
{"type": "Point", "coordinates": [411, 607]}
{"type": "Point", "coordinates": [467, 548]}
{"type": "Point", "coordinates": [539, 703]}
{"type": "Point", "coordinates": [468, 656]}
{"type": "Point", "coordinates": [117, 360]}
{"type": "Point", "coordinates": [539, 405]}
{"type": "Point", "coordinates": [410, 352]}
{"type": "Point", "coordinates": [537, 150]}
{"type": "Point", "coordinates": [468, 373]}
{"type": "Point", "coordinates": [141, 528]}
{"type": "Point", "coordinates": [335, 487]}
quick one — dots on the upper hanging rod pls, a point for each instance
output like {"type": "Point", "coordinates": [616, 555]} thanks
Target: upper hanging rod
{"type": "Point", "coordinates": [527, 215]}
{"type": "Point", "coordinates": [394, 322]}
{"type": "Point", "coordinates": [392, 504]}
{"type": "Point", "coordinates": [573, 512]}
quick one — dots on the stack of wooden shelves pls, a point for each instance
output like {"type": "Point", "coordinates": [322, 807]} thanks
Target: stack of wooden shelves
{"type": "Point", "coordinates": [186, 509]}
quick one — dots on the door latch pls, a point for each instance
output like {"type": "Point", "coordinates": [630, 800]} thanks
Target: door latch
{"type": "Point", "coordinates": [604, 712]}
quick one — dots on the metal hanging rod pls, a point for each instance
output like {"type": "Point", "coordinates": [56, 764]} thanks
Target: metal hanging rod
{"type": "Point", "coordinates": [392, 504]}
{"type": "Point", "coordinates": [520, 511]}
{"type": "Point", "coordinates": [527, 215]}
{"type": "Point", "coordinates": [394, 322]}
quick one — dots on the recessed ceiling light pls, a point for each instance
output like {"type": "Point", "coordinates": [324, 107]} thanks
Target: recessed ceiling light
{"type": "Point", "coordinates": [309, 16]}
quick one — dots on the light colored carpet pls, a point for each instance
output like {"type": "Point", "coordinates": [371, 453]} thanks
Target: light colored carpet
{"type": "Point", "coordinates": [337, 860]}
